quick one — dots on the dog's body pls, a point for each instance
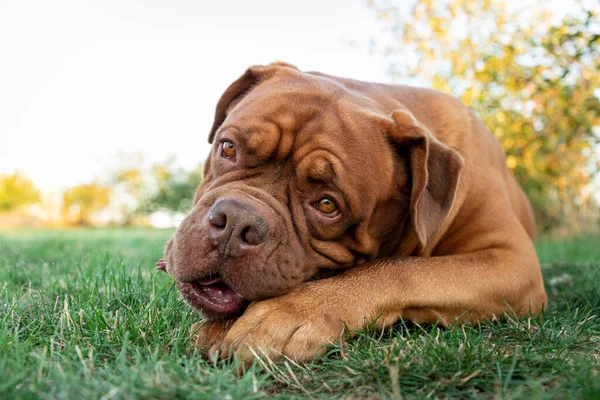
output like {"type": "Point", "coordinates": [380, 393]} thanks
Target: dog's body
{"type": "Point", "coordinates": [331, 203]}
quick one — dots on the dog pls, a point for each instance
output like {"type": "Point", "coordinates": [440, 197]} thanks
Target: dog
{"type": "Point", "coordinates": [329, 204]}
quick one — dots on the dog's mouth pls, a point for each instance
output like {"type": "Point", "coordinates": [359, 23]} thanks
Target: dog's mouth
{"type": "Point", "coordinates": [213, 296]}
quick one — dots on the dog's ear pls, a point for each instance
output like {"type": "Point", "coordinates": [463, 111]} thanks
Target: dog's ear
{"type": "Point", "coordinates": [435, 170]}
{"type": "Point", "coordinates": [241, 87]}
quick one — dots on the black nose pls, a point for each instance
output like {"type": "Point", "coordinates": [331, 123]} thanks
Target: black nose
{"type": "Point", "coordinates": [236, 226]}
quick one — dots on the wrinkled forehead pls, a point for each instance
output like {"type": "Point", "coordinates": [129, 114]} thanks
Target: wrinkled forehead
{"type": "Point", "coordinates": [275, 113]}
{"type": "Point", "coordinates": [283, 114]}
{"type": "Point", "coordinates": [326, 131]}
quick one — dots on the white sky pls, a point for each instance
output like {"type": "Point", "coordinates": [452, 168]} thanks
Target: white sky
{"type": "Point", "coordinates": [84, 81]}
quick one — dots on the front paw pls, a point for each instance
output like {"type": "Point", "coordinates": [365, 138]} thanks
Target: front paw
{"type": "Point", "coordinates": [294, 326]}
{"type": "Point", "coordinates": [207, 335]}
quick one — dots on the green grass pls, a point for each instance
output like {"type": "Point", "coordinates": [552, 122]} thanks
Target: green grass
{"type": "Point", "coordinates": [84, 315]}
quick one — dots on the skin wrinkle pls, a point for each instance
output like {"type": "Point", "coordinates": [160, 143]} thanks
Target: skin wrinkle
{"type": "Point", "coordinates": [242, 139]}
{"type": "Point", "coordinates": [233, 175]}
{"type": "Point", "coordinates": [287, 134]}
{"type": "Point", "coordinates": [275, 248]}
{"type": "Point", "coordinates": [334, 179]}
{"type": "Point", "coordinates": [319, 251]}
{"type": "Point", "coordinates": [291, 209]}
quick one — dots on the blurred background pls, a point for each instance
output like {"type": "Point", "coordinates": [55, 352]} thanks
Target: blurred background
{"type": "Point", "coordinates": [105, 106]}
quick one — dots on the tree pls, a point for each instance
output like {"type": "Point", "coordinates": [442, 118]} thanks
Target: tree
{"type": "Point", "coordinates": [131, 186]}
{"type": "Point", "coordinates": [532, 78]}
{"type": "Point", "coordinates": [16, 190]}
{"type": "Point", "coordinates": [82, 201]}
{"type": "Point", "coordinates": [175, 188]}
{"type": "Point", "coordinates": [143, 188]}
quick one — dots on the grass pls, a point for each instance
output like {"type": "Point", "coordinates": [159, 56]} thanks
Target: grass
{"type": "Point", "coordinates": [84, 315]}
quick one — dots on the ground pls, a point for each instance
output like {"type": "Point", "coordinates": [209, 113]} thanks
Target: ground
{"type": "Point", "coordinates": [85, 315]}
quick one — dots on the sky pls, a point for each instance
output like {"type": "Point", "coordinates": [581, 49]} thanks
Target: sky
{"type": "Point", "coordinates": [86, 85]}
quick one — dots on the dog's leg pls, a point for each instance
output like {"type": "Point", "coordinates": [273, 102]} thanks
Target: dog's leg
{"type": "Point", "coordinates": [466, 287]}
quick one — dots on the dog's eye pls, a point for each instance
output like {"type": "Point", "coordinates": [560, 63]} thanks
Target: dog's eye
{"type": "Point", "coordinates": [326, 206]}
{"type": "Point", "coordinates": [227, 149]}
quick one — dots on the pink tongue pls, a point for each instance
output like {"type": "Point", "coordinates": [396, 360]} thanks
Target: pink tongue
{"type": "Point", "coordinates": [221, 293]}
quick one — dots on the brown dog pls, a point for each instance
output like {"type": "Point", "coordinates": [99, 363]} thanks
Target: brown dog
{"type": "Point", "coordinates": [330, 203]}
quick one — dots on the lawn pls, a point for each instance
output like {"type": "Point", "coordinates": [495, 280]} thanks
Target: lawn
{"type": "Point", "coordinates": [85, 315]}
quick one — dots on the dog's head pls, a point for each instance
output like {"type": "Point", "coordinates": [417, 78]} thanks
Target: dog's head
{"type": "Point", "coordinates": [306, 178]}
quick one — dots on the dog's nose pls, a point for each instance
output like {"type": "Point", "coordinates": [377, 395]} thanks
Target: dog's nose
{"type": "Point", "coordinates": [236, 226]}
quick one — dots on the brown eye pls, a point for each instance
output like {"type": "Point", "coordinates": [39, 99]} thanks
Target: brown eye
{"type": "Point", "coordinates": [326, 206]}
{"type": "Point", "coordinates": [227, 149]}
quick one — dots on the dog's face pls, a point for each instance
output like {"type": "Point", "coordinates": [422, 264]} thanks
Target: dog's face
{"type": "Point", "coordinates": [302, 182]}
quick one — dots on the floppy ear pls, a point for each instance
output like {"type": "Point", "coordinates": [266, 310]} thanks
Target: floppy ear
{"type": "Point", "coordinates": [435, 170]}
{"type": "Point", "coordinates": [241, 87]}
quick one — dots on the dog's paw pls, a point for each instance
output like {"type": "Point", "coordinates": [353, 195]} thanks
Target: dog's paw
{"type": "Point", "coordinates": [206, 335]}
{"type": "Point", "coordinates": [294, 326]}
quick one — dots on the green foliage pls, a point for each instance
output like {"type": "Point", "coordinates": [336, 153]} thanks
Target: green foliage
{"type": "Point", "coordinates": [163, 186]}
{"type": "Point", "coordinates": [82, 201]}
{"type": "Point", "coordinates": [84, 315]}
{"type": "Point", "coordinates": [16, 190]}
{"type": "Point", "coordinates": [176, 188]}
{"type": "Point", "coordinates": [531, 78]}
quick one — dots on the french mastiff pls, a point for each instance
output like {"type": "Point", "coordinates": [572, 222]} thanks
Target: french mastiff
{"type": "Point", "coordinates": [329, 203]}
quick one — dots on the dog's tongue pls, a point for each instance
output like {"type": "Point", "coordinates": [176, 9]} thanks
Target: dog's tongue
{"type": "Point", "coordinates": [220, 292]}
